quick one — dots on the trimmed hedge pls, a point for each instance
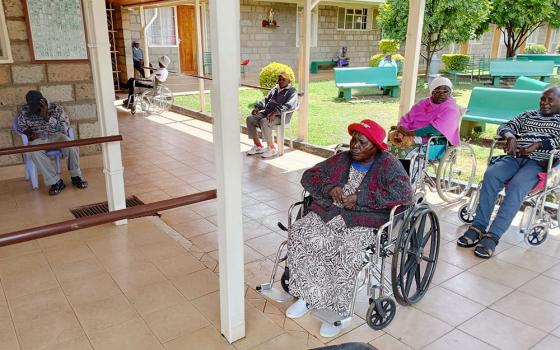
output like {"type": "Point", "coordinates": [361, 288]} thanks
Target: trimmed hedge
{"type": "Point", "coordinates": [268, 77]}
{"type": "Point", "coordinates": [456, 62]}
{"type": "Point", "coordinates": [535, 49]}
{"type": "Point", "coordinates": [375, 59]}
{"type": "Point", "coordinates": [389, 45]}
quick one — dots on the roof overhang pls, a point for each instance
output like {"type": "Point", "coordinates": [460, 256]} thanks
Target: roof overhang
{"type": "Point", "coordinates": [161, 3]}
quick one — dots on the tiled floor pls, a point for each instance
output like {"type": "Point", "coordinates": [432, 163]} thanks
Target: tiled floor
{"type": "Point", "coordinates": [153, 283]}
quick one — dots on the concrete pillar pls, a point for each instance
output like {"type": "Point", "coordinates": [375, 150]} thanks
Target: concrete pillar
{"type": "Point", "coordinates": [304, 60]}
{"type": "Point", "coordinates": [100, 58]}
{"type": "Point", "coordinates": [412, 54]}
{"type": "Point", "coordinates": [496, 38]}
{"type": "Point", "coordinates": [199, 55]}
{"type": "Point", "coordinates": [548, 37]}
{"type": "Point", "coordinates": [225, 98]}
{"type": "Point", "coordinates": [464, 48]}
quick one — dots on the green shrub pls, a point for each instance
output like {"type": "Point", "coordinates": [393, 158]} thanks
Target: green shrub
{"type": "Point", "coordinates": [389, 45]}
{"type": "Point", "coordinates": [535, 49]}
{"type": "Point", "coordinates": [456, 62]}
{"type": "Point", "coordinates": [268, 77]}
{"type": "Point", "coordinates": [375, 59]}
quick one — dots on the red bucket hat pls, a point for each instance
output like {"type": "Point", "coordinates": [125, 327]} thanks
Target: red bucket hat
{"type": "Point", "coordinates": [373, 131]}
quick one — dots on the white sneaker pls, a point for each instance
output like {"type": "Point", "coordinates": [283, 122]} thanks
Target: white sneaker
{"type": "Point", "coordinates": [255, 150]}
{"type": "Point", "coordinates": [328, 330]}
{"type": "Point", "coordinates": [269, 153]}
{"type": "Point", "coordinates": [298, 309]}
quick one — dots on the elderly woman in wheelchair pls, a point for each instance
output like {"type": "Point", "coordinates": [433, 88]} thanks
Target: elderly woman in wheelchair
{"type": "Point", "coordinates": [345, 226]}
{"type": "Point", "coordinates": [532, 140]}
{"type": "Point", "coordinates": [430, 131]}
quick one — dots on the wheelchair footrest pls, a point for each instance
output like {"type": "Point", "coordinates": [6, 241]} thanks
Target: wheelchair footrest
{"type": "Point", "coordinates": [329, 316]}
{"type": "Point", "coordinates": [274, 293]}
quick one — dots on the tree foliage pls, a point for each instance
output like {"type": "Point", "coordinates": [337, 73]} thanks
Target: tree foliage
{"type": "Point", "coordinates": [445, 22]}
{"type": "Point", "coordinates": [519, 19]}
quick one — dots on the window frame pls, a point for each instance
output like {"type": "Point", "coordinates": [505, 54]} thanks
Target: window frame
{"type": "Point", "coordinates": [176, 29]}
{"type": "Point", "coordinates": [6, 58]}
{"type": "Point", "coordinates": [368, 23]}
{"type": "Point", "coordinates": [314, 34]}
{"type": "Point", "coordinates": [535, 36]}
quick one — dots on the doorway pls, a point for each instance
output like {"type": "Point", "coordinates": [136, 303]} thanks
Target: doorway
{"type": "Point", "coordinates": [186, 23]}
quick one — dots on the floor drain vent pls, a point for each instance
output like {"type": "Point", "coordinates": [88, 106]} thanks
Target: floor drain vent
{"type": "Point", "coordinates": [103, 207]}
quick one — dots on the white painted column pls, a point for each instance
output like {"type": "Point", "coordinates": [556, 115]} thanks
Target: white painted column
{"type": "Point", "coordinates": [100, 58]}
{"type": "Point", "coordinates": [412, 54]}
{"type": "Point", "coordinates": [305, 54]}
{"type": "Point", "coordinates": [224, 19]}
{"type": "Point", "coordinates": [199, 55]}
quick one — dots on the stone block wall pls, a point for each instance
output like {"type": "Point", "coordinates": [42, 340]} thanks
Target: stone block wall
{"type": "Point", "coordinates": [70, 84]}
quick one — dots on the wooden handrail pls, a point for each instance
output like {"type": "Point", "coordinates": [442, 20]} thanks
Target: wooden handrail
{"type": "Point", "coordinates": [62, 144]}
{"type": "Point", "coordinates": [77, 224]}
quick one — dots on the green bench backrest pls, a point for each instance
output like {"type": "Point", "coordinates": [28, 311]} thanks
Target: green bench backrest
{"type": "Point", "coordinates": [528, 68]}
{"type": "Point", "coordinates": [535, 57]}
{"type": "Point", "coordinates": [502, 104]}
{"type": "Point", "coordinates": [524, 83]}
{"type": "Point", "coordinates": [366, 75]}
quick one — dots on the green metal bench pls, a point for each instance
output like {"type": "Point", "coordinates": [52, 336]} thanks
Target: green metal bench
{"type": "Point", "coordinates": [541, 57]}
{"type": "Point", "coordinates": [524, 83]}
{"type": "Point", "coordinates": [496, 106]}
{"type": "Point", "coordinates": [347, 79]}
{"type": "Point", "coordinates": [509, 68]}
{"type": "Point", "coordinates": [315, 65]}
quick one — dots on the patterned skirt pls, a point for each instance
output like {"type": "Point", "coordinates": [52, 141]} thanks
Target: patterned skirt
{"type": "Point", "coordinates": [324, 260]}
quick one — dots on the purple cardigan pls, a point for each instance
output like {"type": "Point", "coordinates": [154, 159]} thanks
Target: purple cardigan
{"type": "Point", "coordinates": [385, 185]}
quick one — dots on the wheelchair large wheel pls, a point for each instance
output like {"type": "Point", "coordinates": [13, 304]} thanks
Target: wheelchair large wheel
{"type": "Point", "coordinates": [415, 256]}
{"type": "Point", "coordinates": [158, 100]}
{"type": "Point", "coordinates": [456, 172]}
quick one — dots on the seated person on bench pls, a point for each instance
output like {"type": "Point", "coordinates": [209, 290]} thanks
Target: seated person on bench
{"type": "Point", "coordinates": [341, 59]}
{"type": "Point", "coordinates": [160, 74]}
{"type": "Point", "coordinates": [267, 113]}
{"type": "Point", "coordinates": [388, 61]}
{"type": "Point", "coordinates": [529, 139]}
{"type": "Point", "coordinates": [353, 193]}
{"type": "Point", "coordinates": [45, 122]}
{"type": "Point", "coordinates": [437, 115]}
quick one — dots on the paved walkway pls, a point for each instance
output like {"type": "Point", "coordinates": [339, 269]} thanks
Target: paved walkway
{"type": "Point", "coordinates": [153, 284]}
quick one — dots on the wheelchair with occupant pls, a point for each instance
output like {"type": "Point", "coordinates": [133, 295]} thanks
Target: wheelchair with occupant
{"type": "Point", "coordinates": [437, 165]}
{"type": "Point", "coordinates": [539, 216]}
{"type": "Point", "coordinates": [410, 237]}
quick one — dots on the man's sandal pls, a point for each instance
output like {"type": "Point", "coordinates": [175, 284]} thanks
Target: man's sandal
{"type": "Point", "coordinates": [470, 238]}
{"type": "Point", "coordinates": [487, 245]}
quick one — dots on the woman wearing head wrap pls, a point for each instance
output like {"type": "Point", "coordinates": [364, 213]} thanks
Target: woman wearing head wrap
{"type": "Point", "coordinates": [159, 76]}
{"type": "Point", "coordinates": [437, 115]}
{"type": "Point", "coordinates": [352, 192]}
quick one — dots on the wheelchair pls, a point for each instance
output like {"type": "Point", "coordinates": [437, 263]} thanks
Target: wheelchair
{"type": "Point", "coordinates": [537, 218]}
{"type": "Point", "coordinates": [411, 237]}
{"type": "Point", "coordinates": [154, 100]}
{"type": "Point", "coordinates": [449, 170]}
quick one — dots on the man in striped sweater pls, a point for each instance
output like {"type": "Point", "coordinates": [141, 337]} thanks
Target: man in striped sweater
{"type": "Point", "coordinates": [529, 139]}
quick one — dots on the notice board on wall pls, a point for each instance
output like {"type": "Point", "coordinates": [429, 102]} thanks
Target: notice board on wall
{"type": "Point", "coordinates": [56, 30]}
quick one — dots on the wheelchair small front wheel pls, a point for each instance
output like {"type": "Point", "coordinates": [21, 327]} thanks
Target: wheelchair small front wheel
{"type": "Point", "coordinates": [536, 235]}
{"type": "Point", "coordinates": [465, 215]}
{"type": "Point", "coordinates": [285, 279]}
{"type": "Point", "coordinates": [380, 313]}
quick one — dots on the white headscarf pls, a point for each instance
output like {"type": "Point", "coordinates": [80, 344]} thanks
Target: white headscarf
{"type": "Point", "coordinates": [164, 60]}
{"type": "Point", "coordinates": [440, 81]}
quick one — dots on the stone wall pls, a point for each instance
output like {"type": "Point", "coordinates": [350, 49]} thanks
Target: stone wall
{"type": "Point", "coordinates": [70, 84]}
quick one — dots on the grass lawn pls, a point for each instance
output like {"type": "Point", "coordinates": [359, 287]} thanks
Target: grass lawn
{"type": "Point", "coordinates": [329, 116]}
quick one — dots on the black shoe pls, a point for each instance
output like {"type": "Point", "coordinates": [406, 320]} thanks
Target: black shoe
{"type": "Point", "coordinates": [57, 188]}
{"type": "Point", "coordinates": [79, 182]}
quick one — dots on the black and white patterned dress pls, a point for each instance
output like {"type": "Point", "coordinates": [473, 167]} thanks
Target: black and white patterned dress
{"type": "Point", "coordinates": [324, 258]}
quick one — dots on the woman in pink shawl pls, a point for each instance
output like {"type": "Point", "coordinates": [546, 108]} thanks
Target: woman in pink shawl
{"type": "Point", "coordinates": [437, 115]}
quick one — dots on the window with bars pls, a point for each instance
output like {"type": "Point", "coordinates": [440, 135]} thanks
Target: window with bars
{"type": "Point", "coordinates": [5, 50]}
{"type": "Point", "coordinates": [163, 31]}
{"type": "Point", "coordinates": [352, 19]}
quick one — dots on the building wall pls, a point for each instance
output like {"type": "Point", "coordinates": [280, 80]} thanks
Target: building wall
{"type": "Point", "coordinates": [70, 84]}
{"type": "Point", "coordinates": [264, 45]}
